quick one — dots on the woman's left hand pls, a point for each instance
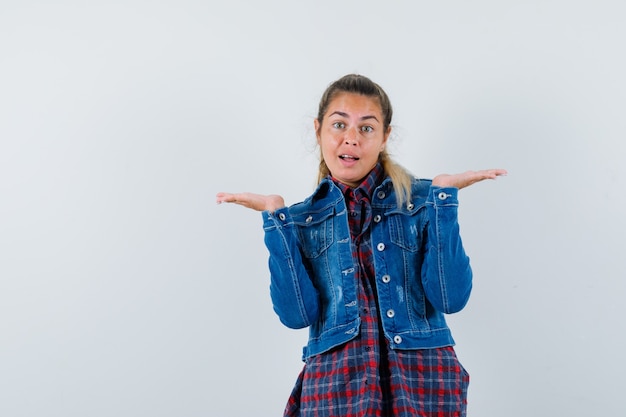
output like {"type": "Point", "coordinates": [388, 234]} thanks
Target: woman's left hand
{"type": "Point", "coordinates": [467, 178]}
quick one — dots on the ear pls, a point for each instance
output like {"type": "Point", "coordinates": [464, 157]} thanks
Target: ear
{"type": "Point", "coordinates": [385, 138]}
{"type": "Point", "coordinates": [316, 124]}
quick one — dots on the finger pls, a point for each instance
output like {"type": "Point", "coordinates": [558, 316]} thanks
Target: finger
{"type": "Point", "coordinates": [495, 173]}
{"type": "Point", "coordinates": [226, 198]}
{"type": "Point", "coordinates": [491, 173]}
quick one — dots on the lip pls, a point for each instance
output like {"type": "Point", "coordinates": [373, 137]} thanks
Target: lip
{"type": "Point", "coordinates": [348, 157]}
{"type": "Point", "coordinates": [348, 161]}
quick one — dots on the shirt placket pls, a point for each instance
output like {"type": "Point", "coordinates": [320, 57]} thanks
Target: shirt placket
{"type": "Point", "coordinates": [360, 215]}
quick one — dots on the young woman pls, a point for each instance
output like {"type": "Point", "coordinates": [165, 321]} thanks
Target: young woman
{"type": "Point", "coordinates": [370, 262]}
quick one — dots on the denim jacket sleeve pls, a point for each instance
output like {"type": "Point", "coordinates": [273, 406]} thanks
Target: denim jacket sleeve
{"type": "Point", "coordinates": [295, 299]}
{"type": "Point", "coordinates": [446, 274]}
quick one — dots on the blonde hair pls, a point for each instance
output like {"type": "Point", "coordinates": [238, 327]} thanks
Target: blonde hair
{"type": "Point", "coordinates": [359, 84]}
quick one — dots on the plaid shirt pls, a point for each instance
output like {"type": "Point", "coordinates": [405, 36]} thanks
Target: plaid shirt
{"type": "Point", "coordinates": [365, 377]}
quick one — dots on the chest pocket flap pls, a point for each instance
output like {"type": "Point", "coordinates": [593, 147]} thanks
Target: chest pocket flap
{"type": "Point", "coordinates": [406, 226]}
{"type": "Point", "coordinates": [315, 231]}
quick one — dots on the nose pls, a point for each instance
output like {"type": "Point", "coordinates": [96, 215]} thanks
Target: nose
{"type": "Point", "coordinates": [350, 138]}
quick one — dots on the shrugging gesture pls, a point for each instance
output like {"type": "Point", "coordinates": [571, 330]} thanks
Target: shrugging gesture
{"type": "Point", "coordinates": [371, 263]}
{"type": "Point", "coordinates": [272, 202]}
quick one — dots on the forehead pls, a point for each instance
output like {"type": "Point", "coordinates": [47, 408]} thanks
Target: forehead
{"type": "Point", "coordinates": [354, 105]}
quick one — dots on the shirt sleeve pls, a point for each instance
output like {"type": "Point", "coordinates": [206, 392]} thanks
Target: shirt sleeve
{"type": "Point", "coordinates": [294, 298]}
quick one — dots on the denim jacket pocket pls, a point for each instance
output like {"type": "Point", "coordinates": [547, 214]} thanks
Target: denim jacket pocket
{"type": "Point", "coordinates": [406, 228]}
{"type": "Point", "coordinates": [315, 231]}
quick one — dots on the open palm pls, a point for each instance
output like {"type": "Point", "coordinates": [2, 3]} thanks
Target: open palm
{"type": "Point", "coordinates": [253, 201]}
{"type": "Point", "coordinates": [467, 178]}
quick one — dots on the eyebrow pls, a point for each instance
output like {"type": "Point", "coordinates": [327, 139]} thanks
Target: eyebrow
{"type": "Point", "coordinates": [342, 114]}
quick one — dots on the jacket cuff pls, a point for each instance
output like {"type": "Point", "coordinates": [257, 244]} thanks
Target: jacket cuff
{"type": "Point", "coordinates": [443, 196]}
{"type": "Point", "coordinates": [278, 218]}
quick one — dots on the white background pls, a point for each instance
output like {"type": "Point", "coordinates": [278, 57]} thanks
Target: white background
{"type": "Point", "coordinates": [126, 291]}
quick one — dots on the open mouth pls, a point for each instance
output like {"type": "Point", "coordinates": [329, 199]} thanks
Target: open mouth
{"type": "Point", "coordinates": [348, 157]}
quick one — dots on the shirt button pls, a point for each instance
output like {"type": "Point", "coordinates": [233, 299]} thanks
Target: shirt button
{"type": "Point", "coordinates": [397, 340]}
{"type": "Point", "coordinates": [386, 279]}
{"type": "Point", "coordinates": [281, 216]}
{"type": "Point", "coordinates": [391, 313]}
{"type": "Point", "coordinates": [377, 218]}
{"type": "Point", "coordinates": [442, 196]}
{"type": "Point", "coordinates": [381, 194]}
{"type": "Point", "coordinates": [380, 247]}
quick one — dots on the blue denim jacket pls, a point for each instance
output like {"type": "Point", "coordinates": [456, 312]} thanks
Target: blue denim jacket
{"type": "Point", "coordinates": [421, 268]}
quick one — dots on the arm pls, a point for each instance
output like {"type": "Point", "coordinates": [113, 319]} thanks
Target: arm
{"type": "Point", "coordinates": [295, 299]}
{"type": "Point", "coordinates": [446, 274]}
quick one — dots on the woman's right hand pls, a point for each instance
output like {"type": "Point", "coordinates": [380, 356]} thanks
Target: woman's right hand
{"type": "Point", "coordinates": [257, 202]}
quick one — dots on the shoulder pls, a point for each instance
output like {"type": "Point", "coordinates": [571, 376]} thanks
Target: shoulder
{"type": "Point", "coordinates": [325, 195]}
{"type": "Point", "coordinates": [420, 186]}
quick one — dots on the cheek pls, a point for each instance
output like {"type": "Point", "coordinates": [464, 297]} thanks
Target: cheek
{"type": "Point", "coordinates": [327, 142]}
{"type": "Point", "coordinates": [326, 151]}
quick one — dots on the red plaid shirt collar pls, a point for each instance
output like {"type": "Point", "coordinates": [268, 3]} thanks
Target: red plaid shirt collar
{"type": "Point", "coordinates": [367, 186]}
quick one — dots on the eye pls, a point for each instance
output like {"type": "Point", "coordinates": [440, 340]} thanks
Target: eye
{"type": "Point", "coordinates": [367, 129]}
{"type": "Point", "coordinates": [339, 125]}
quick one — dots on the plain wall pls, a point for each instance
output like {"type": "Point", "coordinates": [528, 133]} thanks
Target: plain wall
{"type": "Point", "coordinates": [126, 291]}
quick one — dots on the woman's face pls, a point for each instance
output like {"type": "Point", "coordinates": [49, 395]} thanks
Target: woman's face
{"type": "Point", "coordinates": [351, 136]}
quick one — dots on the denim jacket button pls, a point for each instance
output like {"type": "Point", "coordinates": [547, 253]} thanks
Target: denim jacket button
{"type": "Point", "coordinates": [397, 340]}
{"type": "Point", "coordinates": [411, 206]}
{"type": "Point", "coordinates": [377, 218]}
{"type": "Point", "coordinates": [386, 279]}
{"type": "Point", "coordinates": [442, 195]}
{"type": "Point", "coordinates": [281, 216]}
{"type": "Point", "coordinates": [380, 247]}
{"type": "Point", "coordinates": [381, 194]}
{"type": "Point", "coordinates": [308, 219]}
{"type": "Point", "coordinates": [391, 313]}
